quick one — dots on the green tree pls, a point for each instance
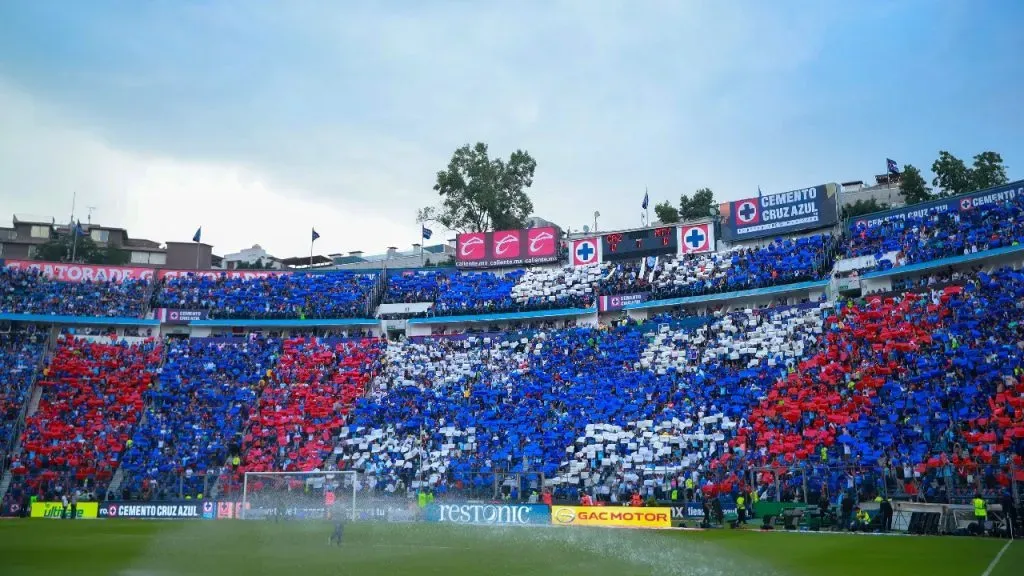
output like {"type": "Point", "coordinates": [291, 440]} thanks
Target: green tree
{"type": "Point", "coordinates": [479, 193]}
{"type": "Point", "coordinates": [861, 207]}
{"type": "Point", "coordinates": [697, 207]}
{"type": "Point", "coordinates": [988, 171]}
{"type": "Point", "coordinates": [952, 176]}
{"type": "Point", "coordinates": [666, 213]}
{"type": "Point", "coordinates": [913, 186]}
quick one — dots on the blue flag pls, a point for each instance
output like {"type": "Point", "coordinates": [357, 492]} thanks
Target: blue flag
{"type": "Point", "coordinates": [644, 205]}
{"type": "Point", "coordinates": [759, 193]}
{"type": "Point", "coordinates": [427, 233]}
{"type": "Point", "coordinates": [315, 235]}
{"type": "Point", "coordinates": [78, 229]}
{"type": "Point", "coordinates": [198, 234]}
{"type": "Point", "coordinates": [893, 167]}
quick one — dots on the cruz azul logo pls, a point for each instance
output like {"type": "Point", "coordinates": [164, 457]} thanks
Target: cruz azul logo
{"type": "Point", "coordinates": [506, 244]}
{"type": "Point", "coordinates": [586, 252]}
{"type": "Point", "coordinates": [695, 239]}
{"type": "Point", "coordinates": [747, 212]}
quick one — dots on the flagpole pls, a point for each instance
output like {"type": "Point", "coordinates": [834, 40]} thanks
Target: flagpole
{"type": "Point", "coordinates": [311, 252]}
{"type": "Point", "coordinates": [647, 209]}
{"type": "Point", "coordinates": [74, 240]}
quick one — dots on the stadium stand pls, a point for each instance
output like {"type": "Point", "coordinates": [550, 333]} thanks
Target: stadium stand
{"type": "Point", "coordinates": [20, 354]}
{"type": "Point", "coordinates": [938, 235]}
{"type": "Point", "coordinates": [196, 415]}
{"type": "Point", "coordinates": [918, 392]}
{"type": "Point", "coordinates": [455, 292]}
{"type": "Point", "coordinates": [30, 292]}
{"type": "Point", "coordinates": [782, 261]}
{"type": "Point", "coordinates": [92, 398]}
{"type": "Point", "coordinates": [306, 401]}
{"type": "Point", "coordinates": [277, 296]}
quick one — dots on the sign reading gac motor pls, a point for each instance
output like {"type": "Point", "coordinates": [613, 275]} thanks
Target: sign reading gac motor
{"type": "Point", "coordinates": [507, 248]}
{"type": "Point", "coordinates": [611, 516]}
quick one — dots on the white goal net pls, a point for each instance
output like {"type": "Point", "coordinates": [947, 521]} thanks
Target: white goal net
{"type": "Point", "coordinates": [298, 496]}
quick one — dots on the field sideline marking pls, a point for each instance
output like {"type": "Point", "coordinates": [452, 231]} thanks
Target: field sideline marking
{"type": "Point", "coordinates": [995, 560]}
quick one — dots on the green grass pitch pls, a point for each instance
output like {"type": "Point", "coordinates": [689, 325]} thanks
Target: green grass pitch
{"type": "Point", "coordinates": [175, 548]}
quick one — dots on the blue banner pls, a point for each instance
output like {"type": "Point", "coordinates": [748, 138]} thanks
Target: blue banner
{"type": "Point", "coordinates": [493, 514]}
{"type": "Point", "coordinates": [776, 214]}
{"type": "Point", "coordinates": [964, 202]}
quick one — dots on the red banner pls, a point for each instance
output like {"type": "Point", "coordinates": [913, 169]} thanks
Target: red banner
{"type": "Point", "coordinates": [243, 274]}
{"type": "Point", "coordinates": [82, 272]}
{"type": "Point", "coordinates": [507, 248]}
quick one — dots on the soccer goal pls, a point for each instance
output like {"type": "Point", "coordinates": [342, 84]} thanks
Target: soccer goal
{"type": "Point", "coordinates": [298, 496]}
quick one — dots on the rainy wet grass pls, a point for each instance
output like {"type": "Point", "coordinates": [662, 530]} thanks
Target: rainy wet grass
{"type": "Point", "coordinates": [171, 548]}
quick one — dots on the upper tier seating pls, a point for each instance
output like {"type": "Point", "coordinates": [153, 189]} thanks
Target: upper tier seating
{"type": "Point", "coordinates": [20, 353]}
{"type": "Point", "coordinates": [197, 413]}
{"type": "Point", "coordinates": [783, 261]}
{"type": "Point", "coordinates": [92, 399]}
{"type": "Point", "coordinates": [456, 292]}
{"type": "Point", "coordinates": [940, 235]}
{"type": "Point", "coordinates": [30, 292]}
{"type": "Point", "coordinates": [306, 401]}
{"type": "Point", "coordinates": [328, 295]}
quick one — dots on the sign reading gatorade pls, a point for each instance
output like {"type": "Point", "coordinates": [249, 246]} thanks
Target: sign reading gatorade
{"type": "Point", "coordinates": [611, 516]}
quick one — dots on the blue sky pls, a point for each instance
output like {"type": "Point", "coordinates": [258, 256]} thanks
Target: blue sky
{"type": "Point", "coordinates": [259, 119]}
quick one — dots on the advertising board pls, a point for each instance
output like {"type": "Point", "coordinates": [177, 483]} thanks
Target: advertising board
{"type": "Point", "coordinates": [962, 203]}
{"type": "Point", "coordinates": [619, 301]}
{"type": "Point", "coordinates": [165, 511]}
{"type": "Point", "coordinates": [775, 214]}
{"type": "Point", "coordinates": [177, 316]}
{"type": "Point", "coordinates": [85, 510]}
{"type": "Point", "coordinates": [611, 516]}
{"type": "Point", "coordinates": [82, 272]}
{"type": "Point", "coordinates": [507, 248]}
{"type": "Point", "coordinates": [493, 514]}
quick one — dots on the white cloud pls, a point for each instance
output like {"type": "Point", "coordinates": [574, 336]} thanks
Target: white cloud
{"type": "Point", "coordinates": [43, 163]}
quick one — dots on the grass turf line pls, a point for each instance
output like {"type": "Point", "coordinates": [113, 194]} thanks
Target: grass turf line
{"type": "Point", "coordinates": [175, 548]}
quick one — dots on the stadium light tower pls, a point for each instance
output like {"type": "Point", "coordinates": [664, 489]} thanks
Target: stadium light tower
{"type": "Point", "coordinates": [596, 214]}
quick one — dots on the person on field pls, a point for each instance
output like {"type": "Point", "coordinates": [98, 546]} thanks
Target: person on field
{"type": "Point", "coordinates": [74, 504]}
{"type": "Point", "coordinates": [63, 506]}
{"type": "Point", "coordinates": [339, 532]}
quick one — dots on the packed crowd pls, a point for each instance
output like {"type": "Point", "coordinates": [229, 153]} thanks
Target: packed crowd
{"type": "Point", "coordinates": [939, 234]}
{"type": "Point", "coordinates": [31, 292]}
{"type": "Point", "coordinates": [305, 402]}
{"type": "Point", "coordinates": [92, 397]}
{"type": "Point", "coordinates": [455, 292]}
{"type": "Point", "coordinates": [333, 295]}
{"type": "Point", "coordinates": [782, 261]}
{"type": "Point", "coordinates": [196, 415]}
{"type": "Point", "coordinates": [20, 353]}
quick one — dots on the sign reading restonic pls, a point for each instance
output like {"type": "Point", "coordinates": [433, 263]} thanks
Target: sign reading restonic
{"type": "Point", "coordinates": [507, 248]}
{"type": "Point", "coordinates": [488, 514]}
{"type": "Point", "coordinates": [1004, 193]}
{"type": "Point", "coordinates": [611, 516]}
{"type": "Point", "coordinates": [205, 510]}
{"type": "Point", "coordinates": [773, 214]}
{"type": "Point", "coordinates": [82, 272]}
